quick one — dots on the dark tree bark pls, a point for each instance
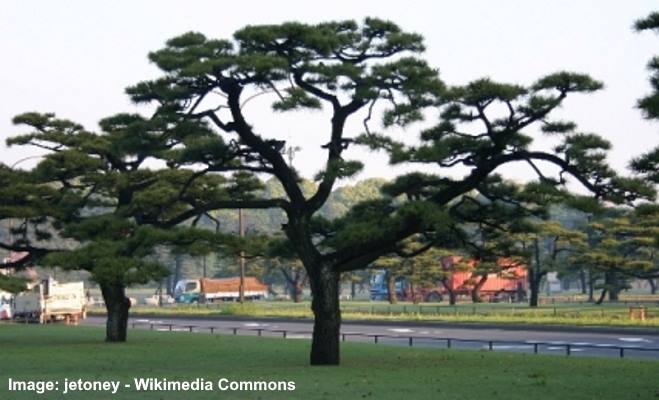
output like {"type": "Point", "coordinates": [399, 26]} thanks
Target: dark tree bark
{"type": "Point", "coordinates": [169, 287]}
{"type": "Point", "coordinates": [117, 306]}
{"type": "Point", "coordinates": [602, 296]}
{"type": "Point", "coordinates": [324, 282]}
{"type": "Point", "coordinates": [416, 299]}
{"type": "Point", "coordinates": [391, 288]}
{"type": "Point", "coordinates": [611, 281]}
{"type": "Point", "coordinates": [534, 287]}
{"type": "Point", "coordinates": [296, 291]}
{"type": "Point", "coordinates": [653, 286]}
{"type": "Point", "coordinates": [535, 275]}
{"type": "Point", "coordinates": [452, 298]}
{"type": "Point", "coordinates": [591, 286]}
{"type": "Point", "coordinates": [178, 266]}
{"type": "Point", "coordinates": [449, 289]}
{"type": "Point", "coordinates": [582, 281]}
{"type": "Point", "coordinates": [295, 283]}
{"type": "Point", "coordinates": [476, 291]}
{"type": "Point", "coordinates": [353, 289]}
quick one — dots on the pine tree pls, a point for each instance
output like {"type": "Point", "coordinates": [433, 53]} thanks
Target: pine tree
{"type": "Point", "coordinates": [98, 194]}
{"type": "Point", "coordinates": [360, 71]}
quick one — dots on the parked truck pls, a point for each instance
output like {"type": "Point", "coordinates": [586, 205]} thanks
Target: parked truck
{"type": "Point", "coordinates": [509, 284]}
{"type": "Point", "coordinates": [5, 305]}
{"type": "Point", "coordinates": [50, 301]}
{"type": "Point", "coordinates": [209, 290]}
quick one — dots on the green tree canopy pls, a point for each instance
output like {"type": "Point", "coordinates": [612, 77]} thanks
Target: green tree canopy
{"type": "Point", "coordinates": [366, 70]}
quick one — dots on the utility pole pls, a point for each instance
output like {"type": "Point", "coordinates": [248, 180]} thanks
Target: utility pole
{"type": "Point", "coordinates": [204, 265]}
{"type": "Point", "coordinates": [290, 152]}
{"type": "Point", "coordinates": [241, 259]}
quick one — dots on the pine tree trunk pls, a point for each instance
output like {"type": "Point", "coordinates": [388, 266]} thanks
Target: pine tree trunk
{"type": "Point", "coordinates": [353, 290]}
{"type": "Point", "coordinates": [415, 296]}
{"type": "Point", "coordinates": [534, 287]}
{"type": "Point", "coordinates": [611, 280]}
{"type": "Point", "coordinates": [451, 297]}
{"type": "Point", "coordinates": [327, 315]}
{"type": "Point", "coordinates": [591, 286]}
{"type": "Point", "coordinates": [446, 282]}
{"type": "Point", "coordinates": [535, 277]}
{"type": "Point", "coordinates": [178, 266]}
{"type": "Point", "coordinates": [169, 285]}
{"type": "Point", "coordinates": [117, 306]}
{"type": "Point", "coordinates": [614, 294]}
{"type": "Point", "coordinates": [602, 296]}
{"type": "Point", "coordinates": [653, 286]}
{"type": "Point", "coordinates": [582, 280]}
{"type": "Point", "coordinates": [391, 288]}
{"type": "Point", "coordinates": [296, 291]}
{"type": "Point", "coordinates": [476, 291]}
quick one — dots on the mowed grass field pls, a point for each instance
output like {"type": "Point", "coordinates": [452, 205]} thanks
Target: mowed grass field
{"type": "Point", "coordinates": [608, 314]}
{"type": "Point", "coordinates": [34, 352]}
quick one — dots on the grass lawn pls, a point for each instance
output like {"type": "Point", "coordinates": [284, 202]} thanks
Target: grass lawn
{"type": "Point", "coordinates": [367, 372]}
{"type": "Point", "coordinates": [616, 314]}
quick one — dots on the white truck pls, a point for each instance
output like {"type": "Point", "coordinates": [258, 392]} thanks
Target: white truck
{"type": "Point", "coordinates": [5, 305]}
{"type": "Point", "coordinates": [50, 301]}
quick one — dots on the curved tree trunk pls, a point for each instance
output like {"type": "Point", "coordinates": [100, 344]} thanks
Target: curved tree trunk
{"type": "Point", "coordinates": [324, 282]}
{"type": "Point", "coordinates": [391, 288]}
{"type": "Point", "coordinates": [476, 291]}
{"type": "Point", "coordinates": [452, 297]}
{"type": "Point", "coordinates": [117, 306]}
{"type": "Point", "coordinates": [602, 296]}
{"type": "Point", "coordinates": [653, 286]}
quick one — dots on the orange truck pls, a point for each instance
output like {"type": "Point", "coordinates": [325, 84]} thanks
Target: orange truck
{"type": "Point", "coordinates": [509, 284]}
{"type": "Point", "coordinates": [223, 289]}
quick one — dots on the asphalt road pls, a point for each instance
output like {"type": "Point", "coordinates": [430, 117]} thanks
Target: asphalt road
{"type": "Point", "coordinates": [583, 343]}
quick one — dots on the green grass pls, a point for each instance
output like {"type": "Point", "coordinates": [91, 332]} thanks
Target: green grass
{"type": "Point", "coordinates": [367, 371]}
{"type": "Point", "coordinates": [506, 313]}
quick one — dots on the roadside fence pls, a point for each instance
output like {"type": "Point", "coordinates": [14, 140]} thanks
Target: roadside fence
{"type": "Point", "coordinates": [535, 347]}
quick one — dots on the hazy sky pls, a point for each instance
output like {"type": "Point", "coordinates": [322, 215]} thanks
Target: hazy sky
{"type": "Point", "coordinates": [76, 57]}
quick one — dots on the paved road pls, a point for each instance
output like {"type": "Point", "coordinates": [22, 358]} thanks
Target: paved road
{"type": "Point", "coordinates": [553, 342]}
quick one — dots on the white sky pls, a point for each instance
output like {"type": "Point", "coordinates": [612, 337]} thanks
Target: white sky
{"type": "Point", "coordinates": [76, 57]}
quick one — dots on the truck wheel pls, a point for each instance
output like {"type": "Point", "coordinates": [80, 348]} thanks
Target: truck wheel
{"type": "Point", "coordinates": [433, 297]}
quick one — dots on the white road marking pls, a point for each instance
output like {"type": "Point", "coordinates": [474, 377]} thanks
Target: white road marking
{"type": "Point", "coordinates": [563, 348]}
{"type": "Point", "coordinates": [400, 330]}
{"type": "Point", "coordinates": [634, 340]}
{"type": "Point", "coordinates": [173, 330]}
{"type": "Point", "coordinates": [255, 324]}
{"type": "Point", "coordinates": [509, 346]}
{"type": "Point", "coordinates": [298, 337]}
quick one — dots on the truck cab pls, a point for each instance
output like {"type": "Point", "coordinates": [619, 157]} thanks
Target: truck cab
{"type": "Point", "coordinates": [379, 289]}
{"type": "Point", "coordinates": [187, 291]}
{"type": "Point", "coordinates": [5, 305]}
